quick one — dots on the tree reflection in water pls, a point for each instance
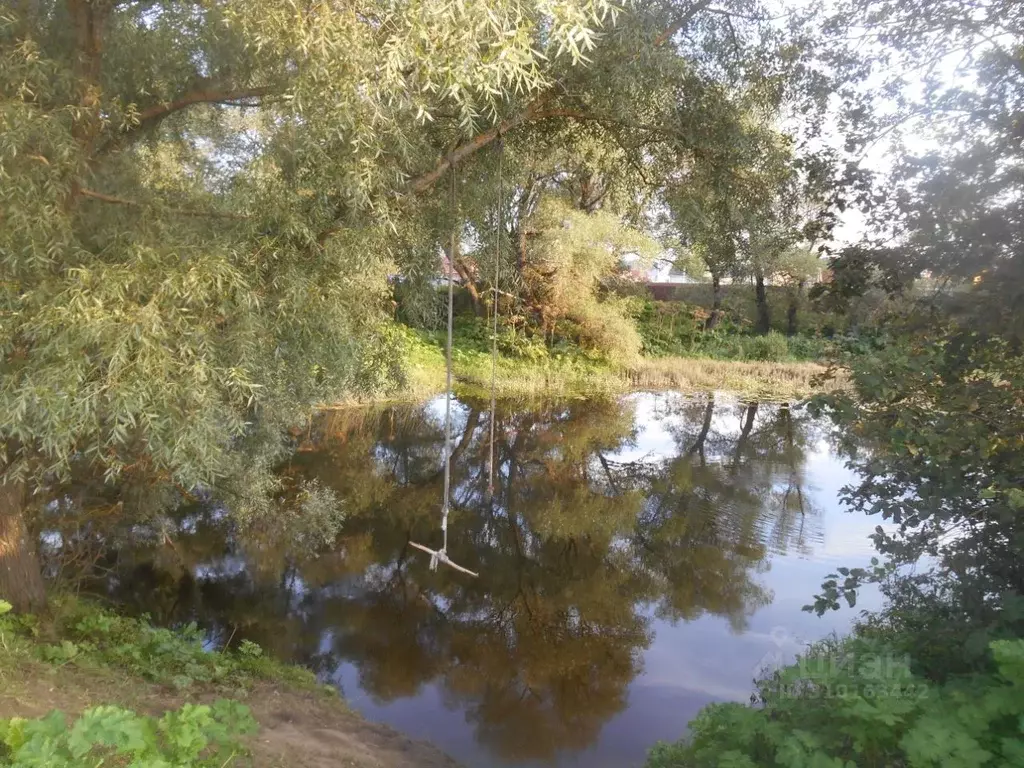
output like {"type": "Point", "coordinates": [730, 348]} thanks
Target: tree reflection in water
{"type": "Point", "coordinates": [583, 540]}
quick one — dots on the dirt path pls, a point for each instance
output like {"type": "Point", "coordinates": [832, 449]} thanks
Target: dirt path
{"type": "Point", "coordinates": [304, 729]}
{"type": "Point", "coordinates": [311, 730]}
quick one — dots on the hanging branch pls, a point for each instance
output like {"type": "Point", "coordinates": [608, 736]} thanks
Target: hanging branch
{"type": "Point", "coordinates": [104, 198]}
{"type": "Point", "coordinates": [534, 111]}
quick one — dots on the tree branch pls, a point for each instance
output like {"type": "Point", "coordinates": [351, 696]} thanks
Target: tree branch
{"type": "Point", "coordinates": [681, 22]}
{"type": "Point", "coordinates": [532, 112]}
{"type": "Point", "coordinates": [157, 112]}
{"type": "Point", "coordinates": [104, 198]}
{"type": "Point", "coordinates": [203, 96]}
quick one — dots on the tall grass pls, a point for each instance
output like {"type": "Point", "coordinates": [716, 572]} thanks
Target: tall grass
{"type": "Point", "coordinates": [540, 370]}
{"type": "Point", "coordinates": [762, 380]}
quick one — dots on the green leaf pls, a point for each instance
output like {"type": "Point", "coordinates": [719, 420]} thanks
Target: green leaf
{"type": "Point", "coordinates": [108, 726]}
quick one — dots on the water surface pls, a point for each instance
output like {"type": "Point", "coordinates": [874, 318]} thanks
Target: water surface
{"type": "Point", "coordinates": [638, 559]}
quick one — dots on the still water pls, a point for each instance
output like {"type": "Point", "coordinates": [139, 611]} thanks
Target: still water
{"type": "Point", "coordinates": [638, 559]}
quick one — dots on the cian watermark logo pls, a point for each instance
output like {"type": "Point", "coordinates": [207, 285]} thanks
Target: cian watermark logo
{"type": "Point", "coordinates": [787, 646]}
{"type": "Point", "coordinates": [790, 670]}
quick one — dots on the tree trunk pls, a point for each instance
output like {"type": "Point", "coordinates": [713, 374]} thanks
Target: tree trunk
{"type": "Point", "coordinates": [716, 302]}
{"type": "Point", "coordinates": [698, 445]}
{"type": "Point", "coordinates": [520, 240]}
{"type": "Point", "coordinates": [470, 285]}
{"type": "Point", "coordinates": [592, 191]}
{"type": "Point", "coordinates": [21, 577]}
{"type": "Point", "coordinates": [465, 274]}
{"type": "Point", "coordinates": [794, 307]}
{"type": "Point", "coordinates": [764, 319]}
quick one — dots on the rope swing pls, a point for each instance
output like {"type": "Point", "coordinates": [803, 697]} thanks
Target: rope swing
{"type": "Point", "coordinates": [494, 311]}
{"type": "Point", "coordinates": [441, 555]}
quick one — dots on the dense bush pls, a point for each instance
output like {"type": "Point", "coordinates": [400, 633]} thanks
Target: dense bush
{"type": "Point", "coordinates": [854, 703]}
{"type": "Point", "coordinates": [619, 330]}
{"type": "Point", "coordinates": [675, 328]}
{"type": "Point", "coordinates": [193, 736]}
{"type": "Point", "coordinates": [607, 329]}
{"type": "Point", "coordinates": [771, 347]}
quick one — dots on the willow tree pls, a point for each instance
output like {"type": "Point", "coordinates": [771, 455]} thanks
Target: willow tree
{"type": "Point", "coordinates": [714, 205]}
{"type": "Point", "coordinates": [672, 101]}
{"type": "Point", "coordinates": [197, 202]}
{"type": "Point", "coordinates": [201, 202]}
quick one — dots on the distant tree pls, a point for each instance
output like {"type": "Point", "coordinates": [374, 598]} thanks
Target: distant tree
{"type": "Point", "coordinates": [797, 266]}
{"type": "Point", "coordinates": [570, 255]}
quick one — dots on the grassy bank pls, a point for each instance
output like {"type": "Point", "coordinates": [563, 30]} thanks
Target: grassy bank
{"type": "Point", "coordinates": [567, 371]}
{"type": "Point", "coordinates": [83, 686]}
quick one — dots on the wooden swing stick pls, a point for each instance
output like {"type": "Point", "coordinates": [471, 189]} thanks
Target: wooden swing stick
{"type": "Point", "coordinates": [442, 557]}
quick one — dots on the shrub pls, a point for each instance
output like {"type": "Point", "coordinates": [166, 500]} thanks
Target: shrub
{"type": "Point", "coordinates": [604, 327]}
{"type": "Point", "coordinates": [87, 635]}
{"type": "Point", "coordinates": [772, 347]}
{"type": "Point", "coordinates": [195, 735]}
{"type": "Point", "coordinates": [854, 703]}
{"type": "Point", "coordinates": [666, 327]}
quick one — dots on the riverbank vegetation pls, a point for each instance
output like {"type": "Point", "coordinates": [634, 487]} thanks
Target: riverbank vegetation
{"type": "Point", "coordinates": [130, 659]}
{"type": "Point", "coordinates": [763, 369]}
{"type": "Point", "coordinates": [218, 217]}
{"type": "Point", "coordinates": [83, 686]}
{"type": "Point", "coordinates": [935, 432]}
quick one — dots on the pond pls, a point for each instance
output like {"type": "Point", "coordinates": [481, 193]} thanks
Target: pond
{"type": "Point", "coordinates": [638, 557]}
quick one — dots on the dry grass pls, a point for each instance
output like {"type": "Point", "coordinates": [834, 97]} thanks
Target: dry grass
{"type": "Point", "coordinates": [767, 381]}
{"type": "Point", "coordinates": [517, 379]}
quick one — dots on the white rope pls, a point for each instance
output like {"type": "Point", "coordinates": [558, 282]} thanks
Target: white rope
{"type": "Point", "coordinates": [448, 383]}
{"type": "Point", "coordinates": [438, 556]}
{"type": "Point", "coordinates": [494, 328]}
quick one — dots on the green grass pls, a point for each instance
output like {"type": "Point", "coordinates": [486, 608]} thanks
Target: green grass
{"type": "Point", "coordinates": [82, 634]}
{"type": "Point", "coordinates": [766, 368]}
{"type": "Point", "coordinates": [128, 661]}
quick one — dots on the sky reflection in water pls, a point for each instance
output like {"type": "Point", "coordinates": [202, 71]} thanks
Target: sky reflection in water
{"type": "Point", "coordinates": [639, 559]}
